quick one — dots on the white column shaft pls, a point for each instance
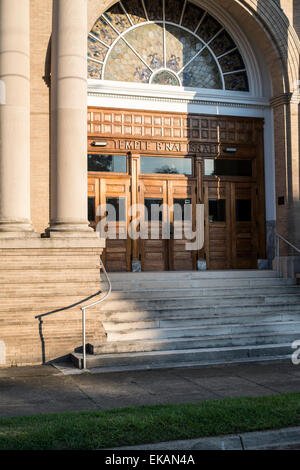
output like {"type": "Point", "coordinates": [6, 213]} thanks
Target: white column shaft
{"type": "Point", "coordinates": [69, 117]}
{"type": "Point", "coordinates": [14, 116]}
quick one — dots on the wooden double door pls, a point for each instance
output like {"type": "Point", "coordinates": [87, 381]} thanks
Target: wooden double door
{"type": "Point", "coordinates": [153, 234]}
{"type": "Point", "coordinates": [167, 232]}
{"type": "Point", "coordinates": [233, 222]}
{"type": "Point", "coordinates": [231, 225]}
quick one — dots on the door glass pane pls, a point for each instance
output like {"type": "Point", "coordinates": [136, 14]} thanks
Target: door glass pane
{"type": "Point", "coordinates": [116, 209]}
{"type": "Point", "coordinates": [153, 210]}
{"type": "Point", "coordinates": [110, 163]}
{"type": "Point", "coordinates": [166, 165]}
{"type": "Point", "coordinates": [182, 209]}
{"type": "Point", "coordinates": [217, 210]}
{"type": "Point", "coordinates": [227, 167]}
{"type": "Point", "coordinates": [91, 209]}
{"type": "Point", "coordinates": [243, 210]}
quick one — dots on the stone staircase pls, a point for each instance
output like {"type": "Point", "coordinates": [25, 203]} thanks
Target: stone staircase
{"type": "Point", "coordinates": [173, 319]}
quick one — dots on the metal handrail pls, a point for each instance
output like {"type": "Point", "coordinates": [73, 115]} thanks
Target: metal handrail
{"type": "Point", "coordinates": [277, 248]}
{"type": "Point", "coordinates": [83, 309]}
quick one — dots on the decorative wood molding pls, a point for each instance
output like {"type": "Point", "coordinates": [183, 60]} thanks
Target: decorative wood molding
{"type": "Point", "coordinates": [179, 133]}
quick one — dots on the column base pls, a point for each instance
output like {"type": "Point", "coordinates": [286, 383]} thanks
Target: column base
{"type": "Point", "coordinates": [17, 229]}
{"type": "Point", "coordinates": [72, 230]}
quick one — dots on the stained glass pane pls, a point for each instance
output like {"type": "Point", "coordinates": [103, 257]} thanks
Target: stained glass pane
{"type": "Point", "coordinates": [118, 18]}
{"type": "Point", "coordinates": [135, 10]}
{"type": "Point", "coordinates": [103, 31]}
{"type": "Point", "coordinates": [222, 43]}
{"type": "Point", "coordinates": [96, 50]}
{"type": "Point", "coordinates": [148, 41]}
{"type": "Point", "coordinates": [154, 9]}
{"type": "Point", "coordinates": [181, 47]}
{"type": "Point", "coordinates": [232, 61]}
{"type": "Point", "coordinates": [124, 65]}
{"type": "Point", "coordinates": [192, 16]}
{"type": "Point", "coordinates": [237, 82]}
{"type": "Point", "coordinates": [208, 28]}
{"type": "Point", "coordinates": [94, 70]}
{"type": "Point", "coordinates": [202, 72]}
{"type": "Point", "coordinates": [147, 52]}
{"type": "Point", "coordinates": [165, 78]}
{"type": "Point", "coordinates": [173, 10]}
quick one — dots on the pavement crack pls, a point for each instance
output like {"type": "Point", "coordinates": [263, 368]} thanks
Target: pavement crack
{"type": "Point", "coordinates": [242, 442]}
{"type": "Point", "coordinates": [91, 399]}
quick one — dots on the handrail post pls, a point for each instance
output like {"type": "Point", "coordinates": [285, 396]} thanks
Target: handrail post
{"type": "Point", "coordinates": [83, 337]}
{"type": "Point", "coordinates": [278, 255]}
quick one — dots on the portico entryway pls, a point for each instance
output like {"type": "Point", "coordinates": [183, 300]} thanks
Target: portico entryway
{"type": "Point", "coordinates": [152, 182]}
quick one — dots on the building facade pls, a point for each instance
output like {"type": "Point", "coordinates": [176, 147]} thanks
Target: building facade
{"type": "Point", "coordinates": [139, 102]}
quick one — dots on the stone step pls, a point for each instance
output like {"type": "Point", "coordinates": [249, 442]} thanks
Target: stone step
{"type": "Point", "coordinates": [200, 292]}
{"type": "Point", "coordinates": [156, 304]}
{"type": "Point", "coordinates": [174, 331]}
{"type": "Point", "coordinates": [205, 320]}
{"type": "Point", "coordinates": [117, 347]}
{"type": "Point", "coordinates": [159, 285]}
{"type": "Point", "coordinates": [87, 288]}
{"type": "Point", "coordinates": [170, 358]}
{"type": "Point", "coordinates": [167, 275]}
{"type": "Point", "coordinates": [213, 304]}
{"type": "Point", "coordinates": [198, 312]}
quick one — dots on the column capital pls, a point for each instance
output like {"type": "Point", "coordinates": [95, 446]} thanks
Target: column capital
{"type": "Point", "coordinates": [281, 100]}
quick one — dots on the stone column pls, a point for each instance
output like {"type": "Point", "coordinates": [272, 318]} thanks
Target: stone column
{"type": "Point", "coordinates": [14, 119]}
{"type": "Point", "coordinates": [69, 120]}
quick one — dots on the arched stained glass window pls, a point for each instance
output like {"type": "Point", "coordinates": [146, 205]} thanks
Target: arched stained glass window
{"type": "Point", "coordinates": [164, 42]}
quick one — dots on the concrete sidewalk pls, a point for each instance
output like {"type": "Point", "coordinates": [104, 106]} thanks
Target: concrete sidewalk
{"type": "Point", "coordinates": [45, 389]}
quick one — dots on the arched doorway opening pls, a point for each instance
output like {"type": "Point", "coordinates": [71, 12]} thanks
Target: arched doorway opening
{"type": "Point", "coordinates": [177, 95]}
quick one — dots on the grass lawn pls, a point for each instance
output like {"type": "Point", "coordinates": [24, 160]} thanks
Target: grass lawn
{"type": "Point", "coordinates": [138, 425]}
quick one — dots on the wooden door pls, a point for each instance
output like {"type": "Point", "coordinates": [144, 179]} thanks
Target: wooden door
{"type": "Point", "coordinates": [217, 225]}
{"type": "Point", "coordinates": [165, 248]}
{"type": "Point", "coordinates": [154, 249]}
{"type": "Point", "coordinates": [112, 194]}
{"type": "Point", "coordinates": [182, 196]}
{"type": "Point", "coordinates": [244, 226]}
{"type": "Point", "coordinates": [230, 225]}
